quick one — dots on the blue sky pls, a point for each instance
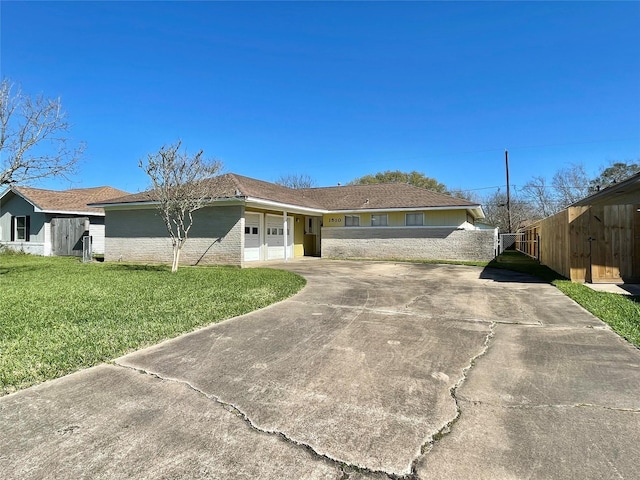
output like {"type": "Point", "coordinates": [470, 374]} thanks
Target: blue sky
{"type": "Point", "coordinates": [336, 90]}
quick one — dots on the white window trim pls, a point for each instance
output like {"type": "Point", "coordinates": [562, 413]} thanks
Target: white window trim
{"type": "Point", "coordinates": [406, 218]}
{"type": "Point", "coordinates": [351, 216]}
{"type": "Point", "coordinates": [386, 219]}
{"type": "Point", "coordinates": [24, 228]}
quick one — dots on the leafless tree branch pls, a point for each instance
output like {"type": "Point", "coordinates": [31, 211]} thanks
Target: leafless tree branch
{"type": "Point", "coordinates": [179, 185]}
{"type": "Point", "coordinates": [296, 181]}
{"type": "Point", "coordinates": [33, 142]}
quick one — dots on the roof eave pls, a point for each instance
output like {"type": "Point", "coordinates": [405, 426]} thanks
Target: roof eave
{"type": "Point", "coordinates": [154, 203]}
{"type": "Point", "coordinates": [476, 210]}
{"type": "Point", "coordinates": [291, 208]}
{"type": "Point", "coordinates": [123, 204]}
{"type": "Point", "coordinates": [70, 212]}
{"type": "Point", "coordinates": [610, 191]}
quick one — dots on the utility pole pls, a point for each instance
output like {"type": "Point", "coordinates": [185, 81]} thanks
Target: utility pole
{"type": "Point", "coordinates": [506, 160]}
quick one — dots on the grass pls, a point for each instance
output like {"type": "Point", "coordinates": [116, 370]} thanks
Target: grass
{"type": "Point", "coordinates": [621, 312]}
{"type": "Point", "coordinates": [60, 315]}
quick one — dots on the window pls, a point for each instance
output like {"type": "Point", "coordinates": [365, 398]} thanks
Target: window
{"type": "Point", "coordinates": [414, 219]}
{"type": "Point", "coordinates": [20, 229]}
{"type": "Point", "coordinates": [351, 221]}
{"type": "Point", "coordinates": [379, 220]}
{"type": "Point", "coordinates": [247, 230]}
{"type": "Point", "coordinates": [310, 225]}
{"type": "Point", "coordinates": [254, 230]}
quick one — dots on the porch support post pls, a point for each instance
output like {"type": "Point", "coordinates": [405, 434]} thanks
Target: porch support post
{"type": "Point", "coordinates": [284, 233]}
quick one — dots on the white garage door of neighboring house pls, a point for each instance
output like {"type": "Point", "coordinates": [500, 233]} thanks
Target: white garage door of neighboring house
{"type": "Point", "coordinates": [252, 237]}
{"type": "Point", "coordinates": [275, 237]}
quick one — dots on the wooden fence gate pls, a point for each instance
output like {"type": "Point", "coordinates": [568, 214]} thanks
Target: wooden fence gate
{"type": "Point", "coordinates": [66, 235]}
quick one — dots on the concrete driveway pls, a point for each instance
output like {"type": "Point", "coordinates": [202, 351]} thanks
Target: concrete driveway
{"type": "Point", "coordinates": [373, 371]}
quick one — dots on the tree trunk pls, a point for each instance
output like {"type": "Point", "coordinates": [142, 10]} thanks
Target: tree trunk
{"type": "Point", "coordinates": [176, 258]}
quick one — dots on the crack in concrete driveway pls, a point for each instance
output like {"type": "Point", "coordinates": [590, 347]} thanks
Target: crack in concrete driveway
{"type": "Point", "coordinates": [355, 382]}
{"type": "Point", "coordinates": [376, 370]}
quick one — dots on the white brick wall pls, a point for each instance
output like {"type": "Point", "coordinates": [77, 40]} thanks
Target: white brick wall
{"type": "Point", "coordinates": [34, 248]}
{"type": "Point", "coordinates": [96, 230]}
{"type": "Point", "coordinates": [409, 243]}
{"type": "Point", "coordinates": [140, 236]}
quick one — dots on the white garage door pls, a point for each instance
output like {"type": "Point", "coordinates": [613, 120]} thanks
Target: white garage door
{"type": "Point", "coordinates": [252, 237]}
{"type": "Point", "coordinates": [275, 237]}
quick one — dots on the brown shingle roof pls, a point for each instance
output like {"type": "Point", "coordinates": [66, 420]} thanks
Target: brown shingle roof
{"type": "Point", "coordinates": [381, 196]}
{"type": "Point", "coordinates": [349, 197]}
{"type": "Point", "coordinates": [231, 185]}
{"type": "Point", "coordinates": [74, 200]}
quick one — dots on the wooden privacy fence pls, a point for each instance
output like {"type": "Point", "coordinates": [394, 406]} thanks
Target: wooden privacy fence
{"type": "Point", "coordinates": [596, 243]}
{"type": "Point", "coordinates": [525, 242]}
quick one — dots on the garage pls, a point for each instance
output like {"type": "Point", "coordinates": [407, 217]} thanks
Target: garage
{"type": "Point", "coordinates": [275, 237]}
{"type": "Point", "coordinates": [252, 237]}
{"type": "Point", "coordinates": [264, 237]}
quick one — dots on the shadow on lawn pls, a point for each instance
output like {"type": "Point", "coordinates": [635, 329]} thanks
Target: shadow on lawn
{"type": "Point", "coordinates": [132, 267]}
{"type": "Point", "coordinates": [17, 269]}
{"type": "Point", "coordinates": [513, 266]}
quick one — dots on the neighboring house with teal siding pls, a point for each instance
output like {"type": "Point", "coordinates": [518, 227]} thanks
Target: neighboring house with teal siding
{"type": "Point", "coordinates": [52, 222]}
{"type": "Point", "coordinates": [249, 220]}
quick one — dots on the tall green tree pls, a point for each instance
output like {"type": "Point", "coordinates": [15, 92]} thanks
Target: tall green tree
{"type": "Point", "coordinates": [614, 173]}
{"type": "Point", "coordinates": [418, 179]}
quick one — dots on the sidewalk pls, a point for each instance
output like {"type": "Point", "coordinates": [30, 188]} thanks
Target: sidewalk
{"type": "Point", "coordinates": [619, 288]}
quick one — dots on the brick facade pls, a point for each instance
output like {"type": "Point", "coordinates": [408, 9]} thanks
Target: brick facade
{"type": "Point", "coordinates": [409, 243]}
{"type": "Point", "coordinates": [140, 235]}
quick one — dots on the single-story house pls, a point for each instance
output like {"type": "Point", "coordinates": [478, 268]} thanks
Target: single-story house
{"type": "Point", "coordinates": [597, 239]}
{"type": "Point", "coordinates": [251, 220]}
{"type": "Point", "coordinates": [51, 222]}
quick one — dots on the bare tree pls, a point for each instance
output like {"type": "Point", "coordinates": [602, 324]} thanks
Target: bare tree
{"type": "Point", "coordinates": [33, 144]}
{"type": "Point", "coordinates": [495, 207]}
{"type": "Point", "coordinates": [296, 181]}
{"type": "Point", "coordinates": [541, 196]}
{"type": "Point", "coordinates": [180, 188]}
{"type": "Point", "coordinates": [468, 195]}
{"type": "Point", "coordinates": [570, 184]}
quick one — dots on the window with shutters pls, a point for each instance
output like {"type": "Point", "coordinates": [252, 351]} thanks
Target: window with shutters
{"type": "Point", "coordinates": [20, 231]}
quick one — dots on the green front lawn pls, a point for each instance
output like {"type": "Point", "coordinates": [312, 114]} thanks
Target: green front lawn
{"type": "Point", "coordinates": [621, 312]}
{"type": "Point", "coordinates": [58, 315]}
